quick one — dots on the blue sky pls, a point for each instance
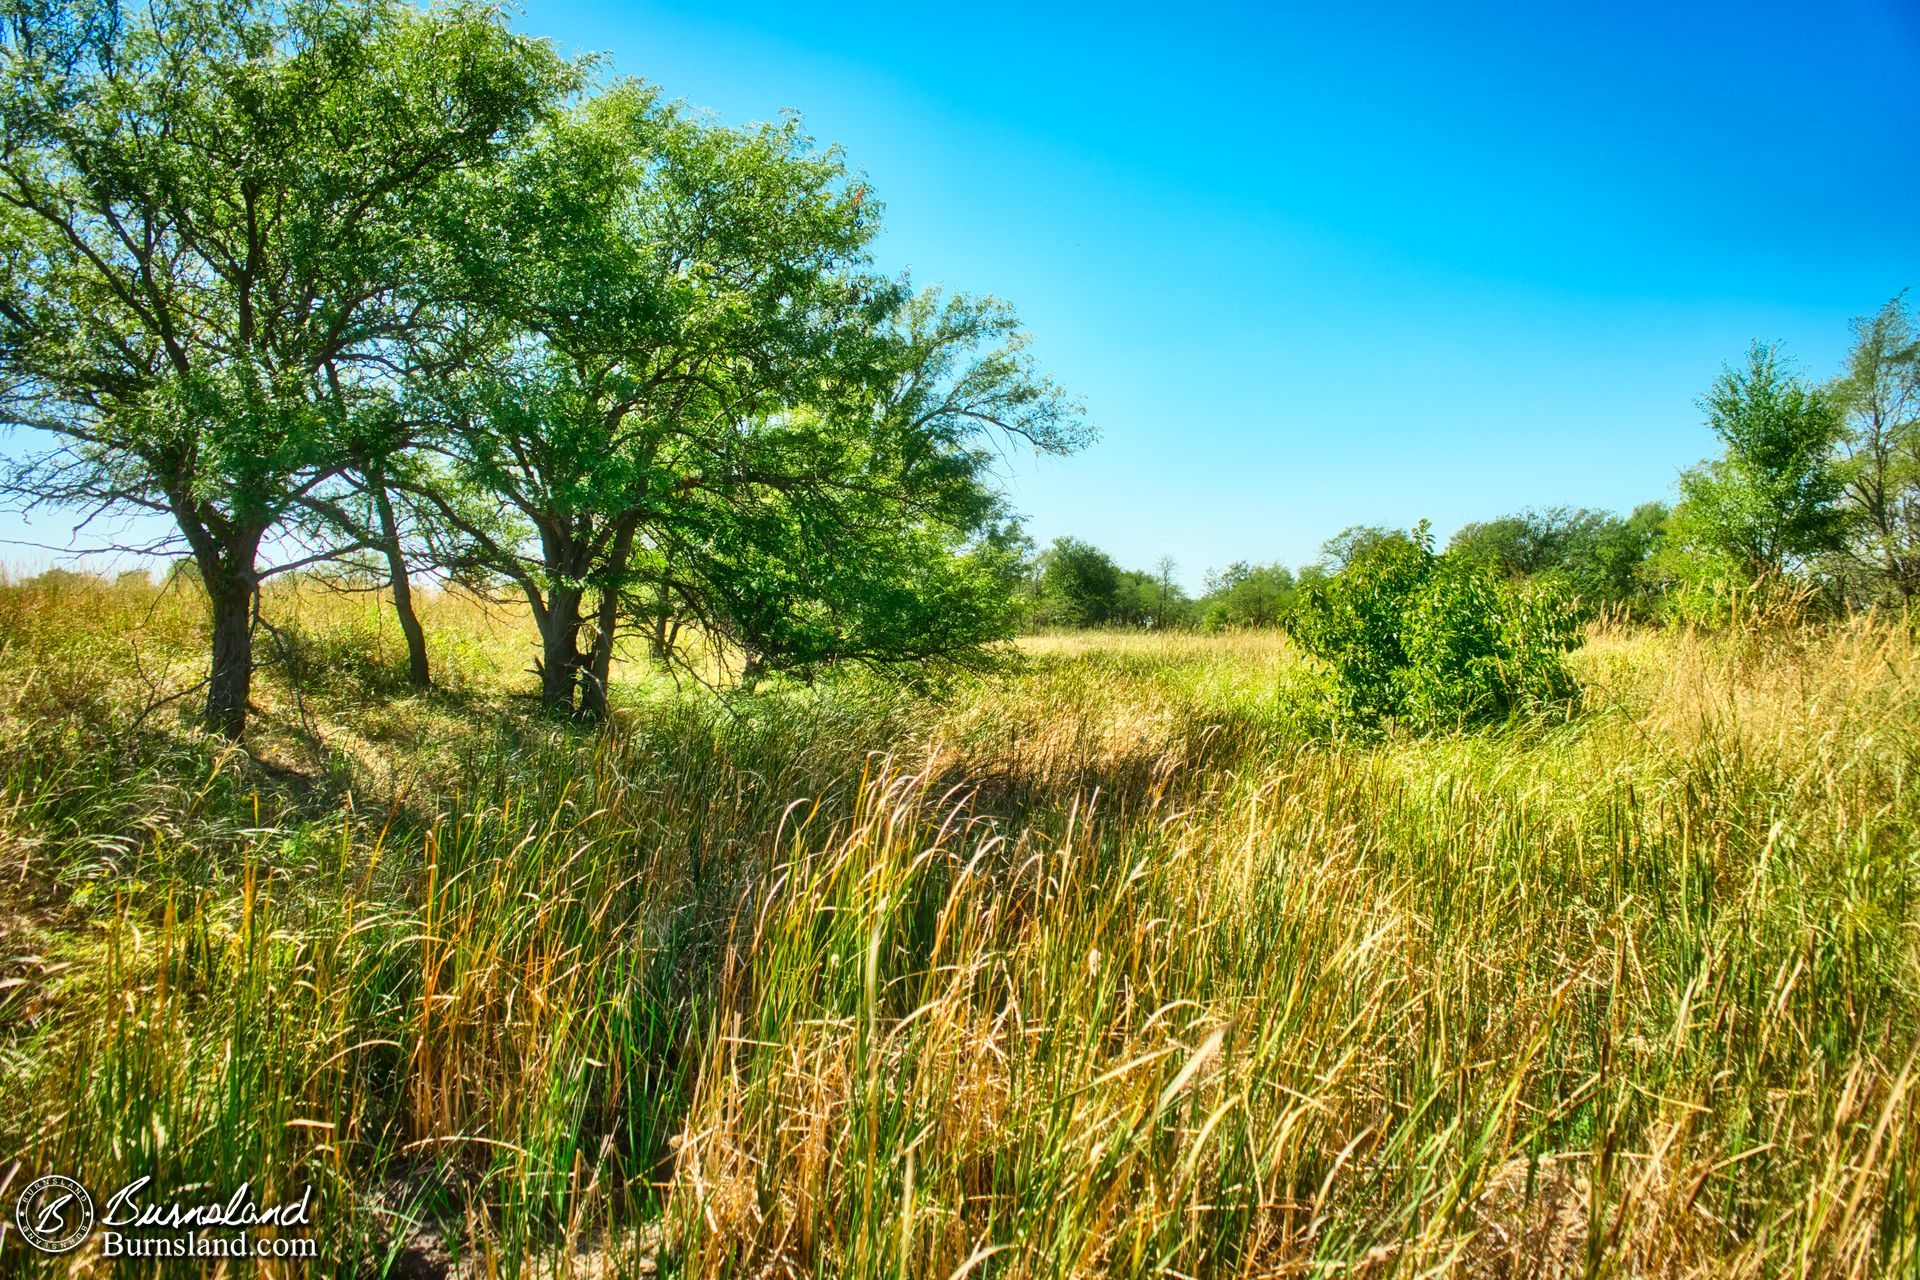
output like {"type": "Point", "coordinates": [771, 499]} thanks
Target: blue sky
{"type": "Point", "coordinates": [1317, 265]}
{"type": "Point", "coordinates": [1311, 265]}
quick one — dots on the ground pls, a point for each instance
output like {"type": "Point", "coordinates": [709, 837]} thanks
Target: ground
{"type": "Point", "coordinates": [1114, 961]}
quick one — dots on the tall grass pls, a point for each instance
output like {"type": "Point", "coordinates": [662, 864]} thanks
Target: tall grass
{"type": "Point", "coordinates": [1103, 966]}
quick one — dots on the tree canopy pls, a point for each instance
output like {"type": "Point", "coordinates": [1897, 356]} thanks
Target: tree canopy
{"type": "Point", "coordinates": [1770, 503]}
{"type": "Point", "coordinates": [324, 281]}
{"type": "Point", "coordinates": [211, 223]}
{"type": "Point", "coordinates": [1879, 466]}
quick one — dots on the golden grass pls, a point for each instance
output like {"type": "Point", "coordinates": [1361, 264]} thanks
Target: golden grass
{"type": "Point", "coordinates": [1103, 966]}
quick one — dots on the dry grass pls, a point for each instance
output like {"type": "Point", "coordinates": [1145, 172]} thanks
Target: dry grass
{"type": "Point", "coordinates": [1104, 966]}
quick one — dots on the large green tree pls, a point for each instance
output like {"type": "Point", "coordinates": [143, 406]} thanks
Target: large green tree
{"type": "Point", "coordinates": [656, 282]}
{"type": "Point", "coordinates": [696, 403]}
{"type": "Point", "coordinates": [863, 524]}
{"type": "Point", "coordinates": [210, 222]}
{"type": "Point", "coordinates": [1771, 502]}
{"type": "Point", "coordinates": [1880, 451]}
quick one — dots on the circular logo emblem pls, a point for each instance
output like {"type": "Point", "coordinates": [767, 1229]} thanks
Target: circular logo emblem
{"type": "Point", "coordinates": [54, 1214]}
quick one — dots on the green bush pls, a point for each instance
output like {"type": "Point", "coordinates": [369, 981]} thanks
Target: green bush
{"type": "Point", "coordinates": [1483, 648]}
{"type": "Point", "coordinates": [1354, 620]}
{"type": "Point", "coordinates": [1437, 642]}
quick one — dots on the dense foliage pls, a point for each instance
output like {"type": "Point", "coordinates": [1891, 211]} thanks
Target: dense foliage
{"type": "Point", "coordinates": [1598, 556]}
{"type": "Point", "coordinates": [1437, 641]}
{"type": "Point", "coordinates": [347, 281]}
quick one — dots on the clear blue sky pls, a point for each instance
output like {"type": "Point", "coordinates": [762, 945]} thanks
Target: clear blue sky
{"type": "Point", "coordinates": [1313, 265]}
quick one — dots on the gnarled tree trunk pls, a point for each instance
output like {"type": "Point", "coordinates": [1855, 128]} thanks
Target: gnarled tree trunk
{"type": "Point", "coordinates": [225, 555]}
{"type": "Point", "coordinates": [560, 658]}
{"type": "Point", "coordinates": [418, 674]}
{"type": "Point", "coordinates": [230, 675]}
{"type": "Point", "coordinates": [594, 702]}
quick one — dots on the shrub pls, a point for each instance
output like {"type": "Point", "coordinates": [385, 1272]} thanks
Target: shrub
{"type": "Point", "coordinates": [1437, 642]}
{"type": "Point", "coordinates": [1353, 621]}
{"type": "Point", "coordinates": [1484, 648]}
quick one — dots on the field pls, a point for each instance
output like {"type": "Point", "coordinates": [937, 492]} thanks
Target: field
{"type": "Point", "coordinates": [1105, 964]}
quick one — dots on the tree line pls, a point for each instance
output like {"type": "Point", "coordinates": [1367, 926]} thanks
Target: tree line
{"type": "Point", "coordinates": [1816, 492]}
{"type": "Point", "coordinates": [398, 291]}
{"type": "Point", "coordinates": [388, 291]}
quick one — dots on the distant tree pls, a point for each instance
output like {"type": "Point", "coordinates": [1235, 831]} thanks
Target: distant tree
{"type": "Point", "coordinates": [1354, 542]}
{"type": "Point", "coordinates": [210, 218]}
{"type": "Point", "coordinates": [1510, 545]}
{"type": "Point", "coordinates": [1772, 502]}
{"type": "Point", "coordinates": [1625, 559]}
{"type": "Point", "coordinates": [1880, 451]}
{"type": "Point", "coordinates": [1597, 554]}
{"type": "Point", "coordinates": [1163, 571]}
{"type": "Point", "coordinates": [1248, 595]}
{"type": "Point", "coordinates": [1009, 551]}
{"type": "Point", "coordinates": [1079, 585]}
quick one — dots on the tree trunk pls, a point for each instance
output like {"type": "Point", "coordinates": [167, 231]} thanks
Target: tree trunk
{"type": "Point", "coordinates": [599, 666]}
{"type": "Point", "coordinates": [593, 687]}
{"type": "Point", "coordinates": [560, 651]}
{"type": "Point", "coordinates": [418, 674]}
{"type": "Point", "coordinates": [230, 680]}
{"type": "Point", "coordinates": [658, 645]}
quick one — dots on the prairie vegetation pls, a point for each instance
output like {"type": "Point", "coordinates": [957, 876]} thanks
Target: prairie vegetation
{"type": "Point", "coordinates": [1106, 963]}
{"type": "Point", "coordinates": [743, 899]}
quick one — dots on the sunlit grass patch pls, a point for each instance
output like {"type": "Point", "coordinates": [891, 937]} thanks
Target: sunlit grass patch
{"type": "Point", "coordinates": [1101, 965]}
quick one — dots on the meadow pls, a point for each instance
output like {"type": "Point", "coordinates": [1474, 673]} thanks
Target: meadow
{"type": "Point", "coordinates": [1107, 963]}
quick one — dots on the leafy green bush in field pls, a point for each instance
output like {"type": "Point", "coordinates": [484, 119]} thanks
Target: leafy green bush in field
{"type": "Point", "coordinates": [1354, 621]}
{"type": "Point", "coordinates": [1436, 641]}
{"type": "Point", "coordinates": [1482, 648]}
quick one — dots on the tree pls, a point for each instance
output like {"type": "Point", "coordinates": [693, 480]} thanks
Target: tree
{"type": "Point", "coordinates": [1511, 545]}
{"type": "Point", "coordinates": [862, 524]}
{"type": "Point", "coordinates": [1772, 501]}
{"type": "Point", "coordinates": [660, 289]}
{"type": "Point", "coordinates": [209, 225]}
{"type": "Point", "coordinates": [1136, 600]}
{"type": "Point", "coordinates": [1624, 559]}
{"type": "Point", "coordinates": [1079, 585]}
{"type": "Point", "coordinates": [1249, 595]}
{"type": "Point", "coordinates": [365, 511]}
{"type": "Point", "coordinates": [1169, 591]}
{"type": "Point", "coordinates": [697, 404]}
{"type": "Point", "coordinates": [1354, 543]}
{"type": "Point", "coordinates": [1595, 553]}
{"type": "Point", "coordinates": [1880, 450]}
